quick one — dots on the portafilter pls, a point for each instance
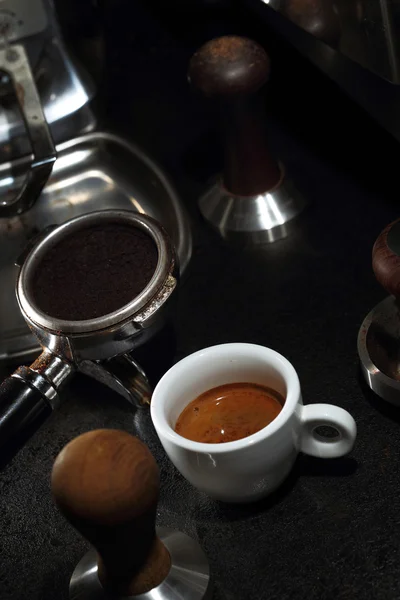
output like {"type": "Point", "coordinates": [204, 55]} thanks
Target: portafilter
{"type": "Point", "coordinates": [99, 347]}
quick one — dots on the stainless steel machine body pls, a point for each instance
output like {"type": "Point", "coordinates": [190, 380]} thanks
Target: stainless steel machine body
{"type": "Point", "coordinates": [64, 89]}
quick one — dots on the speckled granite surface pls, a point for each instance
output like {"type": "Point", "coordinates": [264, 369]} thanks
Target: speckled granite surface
{"type": "Point", "coordinates": [332, 531]}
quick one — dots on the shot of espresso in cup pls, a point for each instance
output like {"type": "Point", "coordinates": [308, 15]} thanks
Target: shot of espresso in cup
{"type": "Point", "coordinates": [248, 396]}
{"type": "Point", "coordinates": [229, 412]}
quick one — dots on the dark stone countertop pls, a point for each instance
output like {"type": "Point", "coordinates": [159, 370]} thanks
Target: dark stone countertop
{"type": "Point", "coordinates": [332, 530]}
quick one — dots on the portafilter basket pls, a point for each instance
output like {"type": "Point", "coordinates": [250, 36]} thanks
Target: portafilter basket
{"type": "Point", "coordinates": [99, 347]}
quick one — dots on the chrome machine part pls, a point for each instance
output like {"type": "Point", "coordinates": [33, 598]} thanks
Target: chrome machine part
{"type": "Point", "coordinates": [47, 374]}
{"type": "Point", "coordinates": [123, 375]}
{"type": "Point", "coordinates": [65, 91]}
{"type": "Point", "coordinates": [14, 61]}
{"type": "Point", "coordinates": [258, 219]}
{"type": "Point", "coordinates": [189, 576]}
{"type": "Point", "coordinates": [96, 171]}
{"type": "Point", "coordinates": [379, 350]}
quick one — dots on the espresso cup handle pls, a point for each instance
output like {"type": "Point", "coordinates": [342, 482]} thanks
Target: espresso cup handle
{"type": "Point", "coordinates": [313, 443]}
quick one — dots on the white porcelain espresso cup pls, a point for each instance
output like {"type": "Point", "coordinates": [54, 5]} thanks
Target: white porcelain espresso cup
{"type": "Point", "coordinates": [250, 468]}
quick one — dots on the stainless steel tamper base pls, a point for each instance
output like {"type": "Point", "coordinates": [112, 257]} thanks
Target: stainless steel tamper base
{"type": "Point", "coordinates": [379, 350]}
{"type": "Point", "coordinates": [188, 578]}
{"type": "Point", "coordinates": [257, 219]}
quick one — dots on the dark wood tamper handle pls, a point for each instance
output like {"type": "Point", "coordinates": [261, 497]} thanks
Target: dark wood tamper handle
{"type": "Point", "coordinates": [386, 258]}
{"type": "Point", "coordinates": [106, 484]}
{"type": "Point", "coordinates": [232, 70]}
{"type": "Point", "coordinates": [318, 17]}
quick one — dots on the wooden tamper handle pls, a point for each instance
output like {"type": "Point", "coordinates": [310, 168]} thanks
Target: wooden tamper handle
{"type": "Point", "coordinates": [386, 258]}
{"type": "Point", "coordinates": [318, 17]}
{"type": "Point", "coordinates": [231, 70]}
{"type": "Point", "coordinates": [106, 484]}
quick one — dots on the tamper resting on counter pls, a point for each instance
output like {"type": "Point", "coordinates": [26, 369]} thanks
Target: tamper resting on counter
{"type": "Point", "coordinates": [254, 200]}
{"type": "Point", "coordinates": [379, 335]}
{"type": "Point", "coordinates": [106, 484]}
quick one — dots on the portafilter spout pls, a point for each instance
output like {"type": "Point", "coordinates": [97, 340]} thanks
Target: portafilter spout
{"type": "Point", "coordinates": [99, 347]}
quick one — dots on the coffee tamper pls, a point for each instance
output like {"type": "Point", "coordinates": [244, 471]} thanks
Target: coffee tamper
{"type": "Point", "coordinates": [318, 17]}
{"type": "Point", "coordinates": [99, 347]}
{"type": "Point", "coordinates": [106, 484]}
{"type": "Point", "coordinates": [379, 335]}
{"type": "Point", "coordinates": [254, 199]}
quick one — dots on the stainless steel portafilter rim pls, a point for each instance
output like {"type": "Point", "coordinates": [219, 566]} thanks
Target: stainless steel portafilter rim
{"type": "Point", "coordinates": [123, 217]}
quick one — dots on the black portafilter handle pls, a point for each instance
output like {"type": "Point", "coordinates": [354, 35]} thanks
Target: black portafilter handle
{"type": "Point", "coordinates": [23, 410]}
{"type": "Point", "coordinates": [27, 399]}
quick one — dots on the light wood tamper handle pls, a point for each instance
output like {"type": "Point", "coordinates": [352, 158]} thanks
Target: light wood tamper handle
{"type": "Point", "coordinates": [106, 484]}
{"type": "Point", "coordinates": [231, 70]}
{"type": "Point", "coordinates": [386, 258]}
